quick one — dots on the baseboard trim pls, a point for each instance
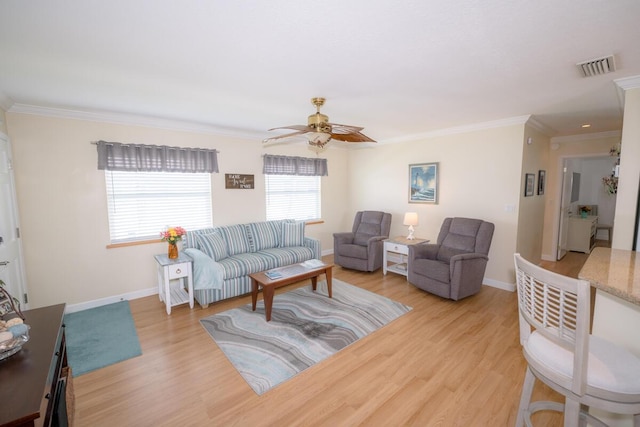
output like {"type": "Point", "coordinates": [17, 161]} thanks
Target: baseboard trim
{"type": "Point", "coordinates": [511, 287]}
{"type": "Point", "coordinates": [110, 300]}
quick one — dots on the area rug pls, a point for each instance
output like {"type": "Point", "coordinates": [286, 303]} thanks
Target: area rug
{"type": "Point", "coordinates": [100, 336]}
{"type": "Point", "coordinates": [305, 328]}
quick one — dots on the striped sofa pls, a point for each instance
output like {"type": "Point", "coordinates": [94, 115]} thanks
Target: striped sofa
{"type": "Point", "coordinates": [223, 257]}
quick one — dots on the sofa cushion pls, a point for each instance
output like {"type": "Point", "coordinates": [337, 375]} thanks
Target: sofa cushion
{"type": "Point", "coordinates": [236, 238]}
{"type": "Point", "coordinates": [292, 234]}
{"type": "Point", "coordinates": [190, 241]}
{"type": "Point", "coordinates": [264, 235]}
{"type": "Point", "coordinates": [213, 244]}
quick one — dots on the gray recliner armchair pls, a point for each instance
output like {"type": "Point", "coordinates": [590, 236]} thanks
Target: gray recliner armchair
{"type": "Point", "coordinates": [454, 267]}
{"type": "Point", "coordinates": [361, 249]}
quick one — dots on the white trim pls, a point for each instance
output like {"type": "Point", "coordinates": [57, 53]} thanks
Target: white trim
{"type": "Point", "coordinates": [461, 129]}
{"type": "Point", "coordinates": [540, 127]}
{"type": "Point", "coordinates": [511, 287]}
{"type": "Point", "coordinates": [134, 120]}
{"type": "Point", "coordinates": [109, 300]}
{"type": "Point", "coordinates": [624, 84]}
{"type": "Point", "coordinates": [5, 102]}
{"type": "Point", "coordinates": [587, 136]}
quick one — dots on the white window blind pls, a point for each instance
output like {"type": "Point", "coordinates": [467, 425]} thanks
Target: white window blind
{"type": "Point", "coordinates": [293, 197]}
{"type": "Point", "coordinates": [142, 204]}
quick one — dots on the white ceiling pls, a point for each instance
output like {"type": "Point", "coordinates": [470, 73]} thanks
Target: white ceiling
{"type": "Point", "coordinates": [398, 69]}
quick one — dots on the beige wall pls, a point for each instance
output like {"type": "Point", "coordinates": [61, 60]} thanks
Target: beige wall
{"type": "Point", "coordinates": [535, 157]}
{"type": "Point", "coordinates": [479, 178]}
{"type": "Point", "coordinates": [61, 197]}
{"type": "Point", "coordinates": [62, 202]}
{"type": "Point", "coordinates": [625, 219]}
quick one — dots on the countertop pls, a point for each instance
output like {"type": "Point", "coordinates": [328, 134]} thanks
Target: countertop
{"type": "Point", "coordinates": [614, 271]}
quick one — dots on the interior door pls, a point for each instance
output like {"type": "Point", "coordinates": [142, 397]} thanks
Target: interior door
{"type": "Point", "coordinates": [565, 209]}
{"type": "Point", "coordinates": [11, 263]}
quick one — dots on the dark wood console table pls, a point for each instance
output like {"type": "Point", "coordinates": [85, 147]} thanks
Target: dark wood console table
{"type": "Point", "coordinates": [32, 386]}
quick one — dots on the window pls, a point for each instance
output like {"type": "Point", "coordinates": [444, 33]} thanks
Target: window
{"type": "Point", "coordinates": [141, 204]}
{"type": "Point", "coordinates": [292, 197]}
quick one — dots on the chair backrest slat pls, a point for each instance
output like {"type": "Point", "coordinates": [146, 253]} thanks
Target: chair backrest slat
{"type": "Point", "coordinates": [558, 308]}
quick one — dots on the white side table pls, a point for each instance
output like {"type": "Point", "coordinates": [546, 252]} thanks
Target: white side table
{"type": "Point", "coordinates": [398, 247]}
{"type": "Point", "coordinates": [171, 269]}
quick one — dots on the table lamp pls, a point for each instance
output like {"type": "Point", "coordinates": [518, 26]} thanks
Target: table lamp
{"type": "Point", "coordinates": [410, 219]}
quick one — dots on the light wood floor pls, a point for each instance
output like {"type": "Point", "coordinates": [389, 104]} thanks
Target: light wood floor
{"type": "Point", "coordinates": [445, 363]}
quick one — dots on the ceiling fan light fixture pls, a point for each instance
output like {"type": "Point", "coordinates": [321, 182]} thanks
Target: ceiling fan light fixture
{"type": "Point", "coordinates": [318, 139]}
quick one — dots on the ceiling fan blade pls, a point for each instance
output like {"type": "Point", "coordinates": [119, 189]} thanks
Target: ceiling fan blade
{"type": "Point", "coordinates": [286, 135]}
{"type": "Point", "coordinates": [351, 137]}
{"type": "Point", "coordinates": [338, 128]}
{"type": "Point", "coordinates": [295, 127]}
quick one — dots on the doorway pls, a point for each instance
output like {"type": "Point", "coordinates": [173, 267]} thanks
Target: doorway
{"type": "Point", "coordinates": [582, 184]}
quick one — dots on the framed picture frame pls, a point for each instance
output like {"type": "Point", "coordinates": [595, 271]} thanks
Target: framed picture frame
{"type": "Point", "coordinates": [529, 184]}
{"type": "Point", "coordinates": [423, 183]}
{"type": "Point", "coordinates": [541, 182]}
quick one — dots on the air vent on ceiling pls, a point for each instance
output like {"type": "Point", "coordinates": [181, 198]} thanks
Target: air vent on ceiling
{"type": "Point", "coordinates": [598, 66]}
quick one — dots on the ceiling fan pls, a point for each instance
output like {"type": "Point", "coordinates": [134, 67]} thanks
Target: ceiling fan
{"type": "Point", "coordinates": [319, 131]}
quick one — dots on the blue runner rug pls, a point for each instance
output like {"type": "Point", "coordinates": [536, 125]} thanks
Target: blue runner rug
{"type": "Point", "coordinates": [305, 328]}
{"type": "Point", "coordinates": [100, 337]}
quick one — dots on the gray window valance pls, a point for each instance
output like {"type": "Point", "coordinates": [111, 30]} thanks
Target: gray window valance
{"type": "Point", "coordinates": [116, 156]}
{"type": "Point", "coordinates": [285, 165]}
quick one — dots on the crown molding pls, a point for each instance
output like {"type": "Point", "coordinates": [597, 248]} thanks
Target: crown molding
{"type": "Point", "coordinates": [586, 136]}
{"type": "Point", "coordinates": [134, 120]}
{"type": "Point", "coordinates": [624, 84]}
{"type": "Point", "coordinates": [5, 102]}
{"type": "Point", "coordinates": [540, 127]}
{"type": "Point", "coordinates": [519, 120]}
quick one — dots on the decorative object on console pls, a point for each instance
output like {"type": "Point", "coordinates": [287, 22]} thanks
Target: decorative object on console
{"type": "Point", "coordinates": [410, 219]}
{"type": "Point", "coordinates": [173, 235]}
{"type": "Point", "coordinates": [423, 183]}
{"type": "Point", "coordinates": [585, 211]}
{"type": "Point", "coordinates": [13, 331]}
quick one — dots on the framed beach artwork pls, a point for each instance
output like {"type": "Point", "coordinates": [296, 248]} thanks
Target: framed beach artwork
{"type": "Point", "coordinates": [529, 184]}
{"type": "Point", "coordinates": [423, 183]}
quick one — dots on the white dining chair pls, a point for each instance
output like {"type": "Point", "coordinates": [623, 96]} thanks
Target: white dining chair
{"type": "Point", "coordinates": [589, 371]}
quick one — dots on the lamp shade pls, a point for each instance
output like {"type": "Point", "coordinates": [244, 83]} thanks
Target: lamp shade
{"type": "Point", "coordinates": [411, 218]}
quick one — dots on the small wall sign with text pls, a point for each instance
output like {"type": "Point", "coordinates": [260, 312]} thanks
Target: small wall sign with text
{"type": "Point", "coordinates": [235, 180]}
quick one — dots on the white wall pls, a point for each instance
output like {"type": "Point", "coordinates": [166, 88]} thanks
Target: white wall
{"type": "Point", "coordinates": [62, 203]}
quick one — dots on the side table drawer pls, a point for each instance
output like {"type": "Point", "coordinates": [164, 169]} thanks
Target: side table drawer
{"type": "Point", "coordinates": [177, 271]}
{"type": "Point", "coordinates": [396, 247]}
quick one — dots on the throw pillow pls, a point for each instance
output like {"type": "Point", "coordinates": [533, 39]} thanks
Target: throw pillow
{"type": "Point", "coordinates": [213, 245]}
{"type": "Point", "coordinates": [236, 238]}
{"type": "Point", "coordinates": [292, 234]}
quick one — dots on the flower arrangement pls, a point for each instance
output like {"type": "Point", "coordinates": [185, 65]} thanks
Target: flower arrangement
{"type": "Point", "coordinates": [172, 235]}
{"type": "Point", "coordinates": [610, 184]}
{"type": "Point", "coordinates": [585, 209]}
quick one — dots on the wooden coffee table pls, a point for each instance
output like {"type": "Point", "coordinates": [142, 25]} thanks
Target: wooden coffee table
{"type": "Point", "coordinates": [290, 274]}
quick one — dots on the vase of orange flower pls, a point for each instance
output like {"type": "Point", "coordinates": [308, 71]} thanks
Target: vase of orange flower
{"type": "Point", "coordinates": [172, 236]}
